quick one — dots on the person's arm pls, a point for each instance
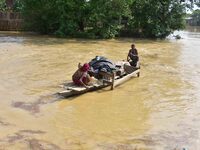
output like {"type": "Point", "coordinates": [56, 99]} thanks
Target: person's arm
{"type": "Point", "coordinates": [79, 65]}
{"type": "Point", "coordinates": [81, 80]}
{"type": "Point", "coordinates": [128, 58]}
{"type": "Point", "coordinates": [84, 84]}
{"type": "Point", "coordinates": [136, 52]}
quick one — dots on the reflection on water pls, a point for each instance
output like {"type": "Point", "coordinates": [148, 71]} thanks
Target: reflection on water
{"type": "Point", "coordinates": [159, 110]}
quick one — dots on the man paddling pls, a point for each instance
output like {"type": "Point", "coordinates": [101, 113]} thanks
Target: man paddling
{"type": "Point", "coordinates": [132, 57]}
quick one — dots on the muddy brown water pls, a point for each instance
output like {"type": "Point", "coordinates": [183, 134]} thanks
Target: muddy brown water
{"type": "Point", "coordinates": [158, 111]}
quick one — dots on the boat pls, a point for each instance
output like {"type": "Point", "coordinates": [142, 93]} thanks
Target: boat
{"type": "Point", "coordinates": [73, 90]}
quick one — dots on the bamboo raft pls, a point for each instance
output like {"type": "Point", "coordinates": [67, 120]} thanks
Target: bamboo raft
{"type": "Point", "coordinates": [73, 90]}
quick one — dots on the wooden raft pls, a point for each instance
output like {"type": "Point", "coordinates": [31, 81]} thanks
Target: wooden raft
{"type": "Point", "coordinates": [72, 90]}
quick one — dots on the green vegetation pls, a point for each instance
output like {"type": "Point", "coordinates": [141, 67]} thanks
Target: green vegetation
{"type": "Point", "coordinates": [2, 5]}
{"type": "Point", "coordinates": [106, 16]}
{"type": "Point", "coordinates": [198, 4]}
{"type": "Point", "coordinates": [16, 8]}
{"type": "Point", "coordinates": [103, 18]}
{"type": "Point", "coordinates": [195, 17]}
{"type": "Point", "coordinates": [78, 18]}
{"type": "Point", "coordinates": [156, 18]}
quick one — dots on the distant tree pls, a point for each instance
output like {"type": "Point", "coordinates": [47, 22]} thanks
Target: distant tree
{"type": "Point", "coordinates": [60, 17]}
{"type": "Point", "coordinates": [198, 4]}
{"type": "Point", "coordinates": [73, 17]}
{"type": "Point", "coordinates": [196, 17]}
{"type": "Point", "coordinates": [17, 5]}
{"type": "Point", "coordinates": [9, 4]}
{"type": "Point", "coordinates": [103, 18]}
{"type": "Point", "coordinates": [156, 18]}
{"type": "Point", "coordinates": [40, 15]}
{"type": "Point", "coordinates": [106, 17]}
{"type": "Point", "coordinates": [94, 18]}
{"type": "Point", "coordinates": [2, 5]}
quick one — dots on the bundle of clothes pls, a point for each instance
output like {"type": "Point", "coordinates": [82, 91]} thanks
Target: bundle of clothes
{"type": "Point", "coordinates": [99, 65]}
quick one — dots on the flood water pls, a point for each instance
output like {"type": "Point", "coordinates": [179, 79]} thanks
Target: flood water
{"type": "Point", "coordinates": [157, 111]}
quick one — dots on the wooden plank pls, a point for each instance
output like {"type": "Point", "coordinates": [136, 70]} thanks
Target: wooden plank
{"type": "Point", "coordinates": [126, 78]}
{"type": "Point", "coordinates": [68, 93]}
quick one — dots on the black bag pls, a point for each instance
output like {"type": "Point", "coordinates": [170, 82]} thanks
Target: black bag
{"type": "Point", "coordinates": [101, 64]}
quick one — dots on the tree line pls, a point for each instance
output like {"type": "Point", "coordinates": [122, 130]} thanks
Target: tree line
{"type": "Point", "coordinates": [103, 18]}
{"type": "Point", "coordinates": [195, 18]}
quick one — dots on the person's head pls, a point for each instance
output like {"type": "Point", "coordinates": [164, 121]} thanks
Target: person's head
{"type": "Point", "coordinates": [85, 67]}
{"type": "Point", "coordinates": [132, 46]}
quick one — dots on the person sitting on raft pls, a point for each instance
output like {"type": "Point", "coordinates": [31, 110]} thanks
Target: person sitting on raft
{"type": "Point", "coordinates": [133, 57]}
{"type": "Point", "coordinates": [81, 76]}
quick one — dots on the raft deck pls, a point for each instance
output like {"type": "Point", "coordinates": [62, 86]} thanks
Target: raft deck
{"type": "Point", "coordinates": [72, 90]}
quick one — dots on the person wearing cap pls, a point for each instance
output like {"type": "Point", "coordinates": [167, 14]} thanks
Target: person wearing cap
{"type": "Point", "coordinates": [81, 76]}
{"type": "Point", "coordinates": [132, 57]}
